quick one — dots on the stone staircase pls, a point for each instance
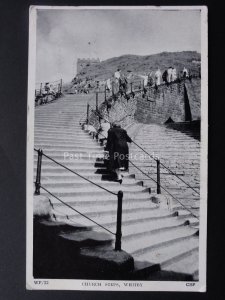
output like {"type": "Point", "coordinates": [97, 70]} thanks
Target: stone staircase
{"type": "Point", "coordinates": [154, 234]}
{"type": "Point", "coordinates": [176, 150]}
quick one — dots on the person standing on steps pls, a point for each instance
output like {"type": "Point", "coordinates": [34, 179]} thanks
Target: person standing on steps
{"type": "Point", "coordinates": [174, 74]}
{"type": "Point", "coordinates": [158, 76]}
{"type": "Point", "coordinates": [117, 78]}
{"type": "Point", "coordinates": [169, 74]}
{"type": "Point", "coordinates": [117, 74]}
{"type": "Point", "coordinates": [118, 150]}
{"type": "Point", "coordinates": [165, 77]}
{"type": "Point", "coordinates": [150, 80]}
{"type": "Point", "coordinates": [185, 73]}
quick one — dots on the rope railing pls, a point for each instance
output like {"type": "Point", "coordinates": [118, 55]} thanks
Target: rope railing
{"type": "Point", "coordinates": [119, 195]}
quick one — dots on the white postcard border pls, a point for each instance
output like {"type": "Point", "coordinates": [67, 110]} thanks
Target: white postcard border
{"type": "Point", "coordinates": [107, 285]}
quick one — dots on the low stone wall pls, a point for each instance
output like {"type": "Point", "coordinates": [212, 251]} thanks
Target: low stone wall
{"type": "Point", "coordinates": [193, 89]}
{"type": "Point", "coordinates": [118, 110]}
{"type": "Point", "coordinates": [177, 102]}
{"type": "Point", "coordinates": [161, 104]}
{"type": "Point", "coordinates": [65, 251]}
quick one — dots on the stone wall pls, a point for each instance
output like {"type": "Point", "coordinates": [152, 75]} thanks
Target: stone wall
{"type": "Point", "coordinates": [193, 89]}
{"type": "Point", "coordinates": [119, 110]}
{"type": "Point", "coordinates": [178, 101]}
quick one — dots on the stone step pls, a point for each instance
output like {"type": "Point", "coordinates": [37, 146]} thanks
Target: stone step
{"type": "Point", "coordinates": [65, 138]}
{"type": "Point", "coordinates": [91, 188]}
{"type": "Point", "coordinates": [61, 157]}
{"type": "Point", "coordinates": [76, 152]}
{"type": "Point", "coordinates": [169, 254]}
{"type": "Point", "coordinates": [159, 139]}
{"type": "Point", "coordinates": [46, 132]}
{"type": "Point", "coordinates": [188, 264]}
{"type": "Point", "coordinates": [63, 141]}
{"type": "Point", "coordinates": [107, 203]}
{"type": "Point", "coordinates": [78, 162]}
{"type": "Point", "coordinates": [56, 118]}
{"type": "Point", "coordinates": [74, 181]}
{"type": "Point", "coordinates": [150, 226]}
{"type": "Point", "coordinates": [70, 176]}
{"type": "Point", "coordinates": [91, 192]}
{"type": "Point", "coordinates": [140, 245]}
{"type": "Point", "coordinates": [66, 125]}
{"type": "Point", "coordinates": [108, 218]}
{"type": "Point", "coordinates": [102, 198]}
{"type": "Point", "coordinates": [68, 148]}
{"type": "Point", "coordinates": [105, 208]}
{"type": "Point", "coordinates": [53, 168]}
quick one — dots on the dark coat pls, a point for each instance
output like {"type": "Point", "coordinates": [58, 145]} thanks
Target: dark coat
{"type": "Point", "coordinates": [118, 148]}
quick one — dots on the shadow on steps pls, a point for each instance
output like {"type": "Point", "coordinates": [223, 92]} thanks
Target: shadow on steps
{"type": "Point", "coordinates": [189, 128]}
{"type": "Point", "coordinates": [63, 251]}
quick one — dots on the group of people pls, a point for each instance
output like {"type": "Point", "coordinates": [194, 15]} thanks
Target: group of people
{"type": "Point", "coordinates": [83, 86]}
{"type": "Point", "coordinates": [46, 93]}
{"type": "Point", "coordinates": [168, 76]}
{"type": "Point", "coordinates": [49, 89]}
{"type": "Point", "coordinates": [119, 81]}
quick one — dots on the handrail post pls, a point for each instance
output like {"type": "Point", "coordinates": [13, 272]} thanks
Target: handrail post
{"type": "Point", "coordinates": [40, 88]}
{"type": "Point", "coordinates": [112, 88]}
{"type": "Point", "coordinates": [38, 174]}
{"type": "Point", "coordinates": [88, 113]}
{"type": "Point", "coordinates": [97, 96]}
{"type": "Point", "coordinates": [105, 92]}
{"type": "Point", "coordinates": [60, 86]}
{"type": "Point", "coordinates": [96, 101]}
{"type": "Point", "coordinates": [158, 177]}
{"type": "Point", "coordinates": [119, 222]}
{"type": "Point", "coordinates": [131, 89]}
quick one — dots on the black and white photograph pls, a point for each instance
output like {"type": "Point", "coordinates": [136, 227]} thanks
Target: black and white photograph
{"type": "Point", "coordinates": [117, 137]}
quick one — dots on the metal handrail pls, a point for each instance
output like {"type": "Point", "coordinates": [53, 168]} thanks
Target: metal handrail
{"type": "Point", "coordinates": [119, 195]}
{"type": "Point", "coordinates": [161, 186]}
{"type": "Point", "coordinates": [164, 189]}
{"type": "Point", "coordinates": [61, 165]}
{"type": "Point", "coordinates": [77, 211]}
{"type": "Point", "coordinates": [168, 169]}
{"type": "Point", "coordinates": [151, 156]}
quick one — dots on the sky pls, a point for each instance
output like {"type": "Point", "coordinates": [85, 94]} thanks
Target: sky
{"type": "Point", "coordinates": [65, 35]}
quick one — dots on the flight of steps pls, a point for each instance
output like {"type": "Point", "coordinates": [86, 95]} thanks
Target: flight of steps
{"type": "Point", "coordinates": [152, 234]}
{"type": "Point", "coordinates": [176, 150]}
